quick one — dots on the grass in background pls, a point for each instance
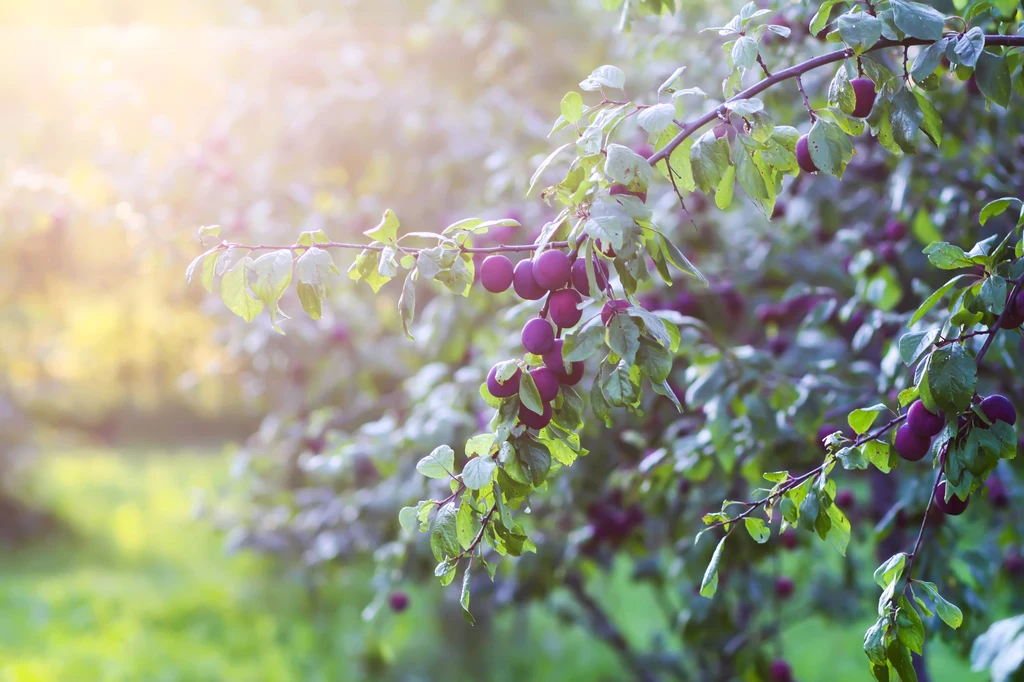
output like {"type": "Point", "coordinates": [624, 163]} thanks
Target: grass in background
{"type": "Point", "coordinates": [144, 593]}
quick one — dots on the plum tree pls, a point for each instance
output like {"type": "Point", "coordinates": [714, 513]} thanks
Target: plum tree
{"type": "Point", "coordinates": [562, 307]}
{"type": "Point", "coordinates": [922, 422]}
{"type": "Point", "coordinates": [525, 284]}
{"type": "Point", "coordinates": [496, 273]}
{"type": "Point", "coordinates": [910, 445]}
{"type": "Point", "coordinates": [551, 269]}
{"type": "Point", "coordinates": [954, 506]}
{"type": "Point", "coordinates": [864, 96]}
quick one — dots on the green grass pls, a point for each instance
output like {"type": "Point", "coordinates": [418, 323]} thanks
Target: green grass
{"type": "Point", "coordinates": [144, 593]}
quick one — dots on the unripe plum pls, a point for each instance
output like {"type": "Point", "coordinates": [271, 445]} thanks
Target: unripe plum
{"type": "Point", "coordinates": [551, 269]}
{"type": "Point", "coordinates": [613, 308]}
{"type": "Point", "coordinates": [524, 283]}
{"type": "Point", "coordinates": [998, 408]}
{"type": "Point", "coordinates": [911, 446]}
{"type": "Point", "coordinates": [781, 671]}
{"type": "Point", "coordinates": [534, 420]}
{"type": "Point", "coordinates": [507, 389]}
{"type": "Point", "coordinates": [496, 274]}
{"type": "Point", "coordinates": [803, 156]}
{"type": "Point", "coordinates": [784, 587]}
{"type": "Point", "coordinates": [955, 506]}
{"type": "Point", "coordinates": [864, 93]}
{"type": "Point", "coordinates": [538, 336]}
{"type": "Point", "coordinates": [398, 601]}
{"type": "Point", "coordinates": [622, 189]}
{"type": "Point", "coordinates": [562, 307]}
{"type": "Point", "coordinates": [547, 383]}
{"type": "Point", "coordinates": [924, 422]}
{"type": "Point", "coordinates": [579, 275]}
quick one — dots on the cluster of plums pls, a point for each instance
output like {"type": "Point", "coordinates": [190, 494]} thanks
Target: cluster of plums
{"type": "Point", "coordinates": [914, 440]}
{"type": "Point", "coordinates": [564, 281]}
{"type": "Point", "coordinates": [864, 99]}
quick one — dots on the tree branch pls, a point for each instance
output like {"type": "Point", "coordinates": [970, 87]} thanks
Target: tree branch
{"type": "Point", "coordinates": [406, 249]}
{"type": "Point", "coordinates": [798, 70]}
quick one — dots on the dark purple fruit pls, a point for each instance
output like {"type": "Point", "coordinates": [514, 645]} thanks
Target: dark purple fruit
{"type": "Point", "coordinates": [998, 408]}
{"type": "Point", "coordinates": [895, 230]}
{"type": "Point", "coordinates": [496, 274]}
{"type": "Point", "coordinates": [846, 499]}
{"type": "Point", "coordinates": [503, 390]}
{"type": "Point", "coordinates": [781, 671]}
{"type": "Point", "coordinates": [887, 252]}
{"type": "Point", "coordinates": [790, 540]}
{"type": "Point", "coordinates": [579, 275]}
{"type": "Point", "coordinates": [551, 269]}
{"type": "Point", "coordinates": [547, 383]}
{"type": "Point", "coordinates": [534, 420]}
{"type": "Point", "coordinates": [777, 345]}
{"type": "Point", "coordinates": [864, 92]}
{"type": "Point", "coordinates": [538, 336]}
{"type": "Point", "coordinates": [803, 156]}
{"type": "Point", "coordinates": [955, 506]}
{"type": "Point", "coordinates": [562, 308]}
{"type": "Point", "coordinates": [923, 422]}
{"type": "Point", "coordinates": [911, 446]}
{"type": "Point", "coordinates": [398, 601]}
{"type": "Point", "coordinates": [998, 495]}
{"type": "Point", "coordinates": [613, 308]}
{"type": "Point", "coordinates": [524, 283]}
{"type": "Point", "coordinates": [784, 587]}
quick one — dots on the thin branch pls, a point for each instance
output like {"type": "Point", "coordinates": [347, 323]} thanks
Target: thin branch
{"type": "Point", "coordinates": [798, 70]}
{"type": "Point", "coordinates": [343, 245]}
{"type": "Point", "coordinates": [764, 67]}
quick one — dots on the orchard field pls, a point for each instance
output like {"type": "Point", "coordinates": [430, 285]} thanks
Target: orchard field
{"type": "Point", "coordinates": [538, 340]}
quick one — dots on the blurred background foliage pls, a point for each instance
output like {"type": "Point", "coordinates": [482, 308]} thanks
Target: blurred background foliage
{"type": "Point", "coordinates": [122, 392]}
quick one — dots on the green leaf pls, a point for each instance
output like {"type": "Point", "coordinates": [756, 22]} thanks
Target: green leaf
{"type": "Point", "coordinates": [438, 464]}
{"type": "Point", "coordinates": [314, 269]}
{"type": "Point", "coordinates": [860, 30]}
{"type": "Point", "coordinates": [820, 18]}
{"type": "Point", "coordinates": [745, 107]}
{"type": "Point", "coordinates": [709, 159]}
{"type": "Point", "coordinates": [709, 585]}
{"type": "Point", "coordinates": [234, 290]}
{"type": "Point", "coordinates": [744, 52]}
{"type": "Point", "coordinates": [572, 107]}
{"type": "Point", "coordinates": [969, 47]}
{"type": "Point", "coordinates": [993, 77]}
{"type": "Point", "coordinates": [543, 166]}
{"type": "Point", "coordinates": [899, 658]}
{"type": "Point", "coordinates": [928, 60]}
{"type": "Point", "coordinates": [680, 261]}
{"type": "Point", "coordinates": [654, 361]}
{"type": "Point", "coordinates": [478, 472]}
{"type": "Point", "coordinates": [830, 147]}
{"type": "Point", "coordinates": [529, 395]}
{"type": "Point", "coordinates": [583, 343]}
{"type": "Point", "coordinates": [408, 519]}
{"type": "Point", "coordinates": [874, 641]}
{"type": "Point", "coordinates": [680, 160]}
{"type": "Point", "coordinates": [269, 277]}
{"type": "Point", "coordinates": [861, 419]}
{"type": "Point", "coordinates": [464, 530]}
{"type": "Point", "coordinates": [914, 345]}
{"type": "Point", "coordinates": [464, 597]}
{"type": "Point", "coordinates": [534, 459]}
{"type": "Point", "coordinates": [386, 230]}
{"type": "Point", "coordinates": [610, 223]}
{"type": "Point", "coordinates": [750, 177]}
{"type": "Point", "coordinates": [997, 207]}
{"type": "Point", "coordinates": [365, 268]}
{"type": "Point", "coordinates": [952, 375]}
{"type": "Point", "coordinates": [655, 119]}
{"type": "Point", "coordinates": [623, 338]}
{"type": "Point", "coordinates": [444, 540]}
{"type": "Point", "coordinates": [628, 168]}
{"type": "Point", "coordinates": [932, 300]}
{"type": "Point", "coordinates": [905, 117]}
{"type": "Point", "coordinates": [757, 529]}
{"type": "Point", "coordinates": [407, 302]}
{"type": "Point", "coordinates": [725, 189]}
{"type": "Point", "coordinates": [617, 387]}
{"type": "Point", "coordinates": [606, 76]}
{"type": "Point", "coordinates": [993, 294]}
{"type": "Point", "coordinates": [947, 256]}
{"type": "Point", "coordinates": [891, 570]}
{"type": "Point", "coordinates": [931, 123]}
{"type": "Point", "coordinates": [910, 629]}
{"type": "Point", "coordinates": [950, 614]}
{"type": "Point", "coordinates": [917, 21]}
